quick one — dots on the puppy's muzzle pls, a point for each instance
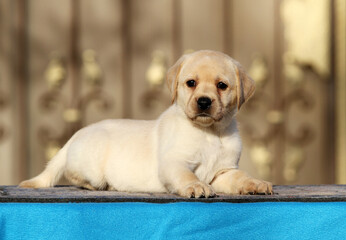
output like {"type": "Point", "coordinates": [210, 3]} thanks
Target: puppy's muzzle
{"type": "Point", "coordinates": [204, 103]}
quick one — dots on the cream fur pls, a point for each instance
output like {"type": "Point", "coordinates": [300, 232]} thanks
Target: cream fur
{"type": "Point", "coordinates": [182, 151]}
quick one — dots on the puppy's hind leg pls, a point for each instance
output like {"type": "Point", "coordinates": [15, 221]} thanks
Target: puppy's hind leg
{"type": "Point", "coordinates": [77, 180]}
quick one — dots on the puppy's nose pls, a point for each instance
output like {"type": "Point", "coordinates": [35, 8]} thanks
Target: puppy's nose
{"type": "Point", "coordinates": [204, 103]}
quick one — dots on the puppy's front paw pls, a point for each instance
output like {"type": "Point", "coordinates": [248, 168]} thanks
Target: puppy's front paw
{"type": "Point", "coordinates": [255, 186]}
{"type": "Point", "coordinates": [197, 190]}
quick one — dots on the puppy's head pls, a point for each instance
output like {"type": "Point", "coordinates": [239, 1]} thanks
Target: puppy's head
{"type": "Point", "coordinates": [209, 86]}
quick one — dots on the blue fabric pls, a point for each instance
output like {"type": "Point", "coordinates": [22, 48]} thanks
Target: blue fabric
{"type": "Point", "coordinates": [173, 221]}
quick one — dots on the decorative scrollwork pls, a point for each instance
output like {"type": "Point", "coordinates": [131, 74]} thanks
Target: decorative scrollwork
{"type": "Point", "coordinates": [157, 70]}
{"type": "Point", "coordinates": [262, 158]}
{"type": "Point", "coordinates": [51, 99]}
{"type": "Point", "coordinates": [52, 140]}
{"type": "Point", "coordinates": [72, 116]}
{"type": "Point", "coordinates": [294, 158]}
{"type": "Point", "coordinates": [305, 133]}
{"type": "Point", "coordinates": [91, 69]}
{"type": "Point", "coordinates": [97, 96]}
{"type": "Point", "coordinates": [259, 70]}
{"type": "Point", "coordinates": [295, 154]}
{"type": "Point", "coordinates": [154, 97]}
{"type": "Point", "coordinates": [155, 76]}
{"type": "Point", "coordinates": [56, 72]}
{"type": "Point", "coordinates": [276, 121]}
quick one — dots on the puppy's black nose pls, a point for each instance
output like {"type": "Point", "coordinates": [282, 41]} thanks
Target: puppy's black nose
{"type": "Point", "coordinates": [204, 103]}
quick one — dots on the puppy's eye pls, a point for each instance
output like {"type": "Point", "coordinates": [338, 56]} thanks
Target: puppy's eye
{"type": "Point", "coordinates": [222, 85]}
{"type": "Point", "coordinates": [191, 83]}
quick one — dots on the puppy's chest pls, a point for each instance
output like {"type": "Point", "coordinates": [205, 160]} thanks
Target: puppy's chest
{"type": "Point", "coordinates": [209, 150]}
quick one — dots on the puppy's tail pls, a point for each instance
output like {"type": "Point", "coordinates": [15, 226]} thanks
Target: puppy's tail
{"type": "Point", "coordinates": [51, 174]}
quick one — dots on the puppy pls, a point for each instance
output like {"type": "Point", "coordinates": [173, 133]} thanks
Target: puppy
{"type": "Point", "coordinates": [192, 149]}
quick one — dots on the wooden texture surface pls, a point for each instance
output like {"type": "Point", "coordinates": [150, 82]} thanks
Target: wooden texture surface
{"type": "Point", "coordinates": [62, 194]}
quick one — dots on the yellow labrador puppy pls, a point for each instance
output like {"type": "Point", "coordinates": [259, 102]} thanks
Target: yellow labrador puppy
{"type": "Point", "coordinates": [192, 149]}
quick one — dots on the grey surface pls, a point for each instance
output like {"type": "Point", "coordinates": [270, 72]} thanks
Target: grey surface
{"type": "Point", "coordinates": [61, 194]}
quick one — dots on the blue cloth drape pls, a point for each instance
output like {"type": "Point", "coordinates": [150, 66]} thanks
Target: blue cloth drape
{"type": "Point", "coordinates": [173, 220]}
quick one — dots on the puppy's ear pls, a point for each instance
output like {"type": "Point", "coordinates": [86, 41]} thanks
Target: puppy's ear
{"type": "Point", "coordinates": [172, 77]}
{"type": "Point", "coordinates": [245, 85]}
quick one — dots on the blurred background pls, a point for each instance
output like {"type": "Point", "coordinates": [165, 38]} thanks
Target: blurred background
{"type": "Point", "coordinates": [65, 64]}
